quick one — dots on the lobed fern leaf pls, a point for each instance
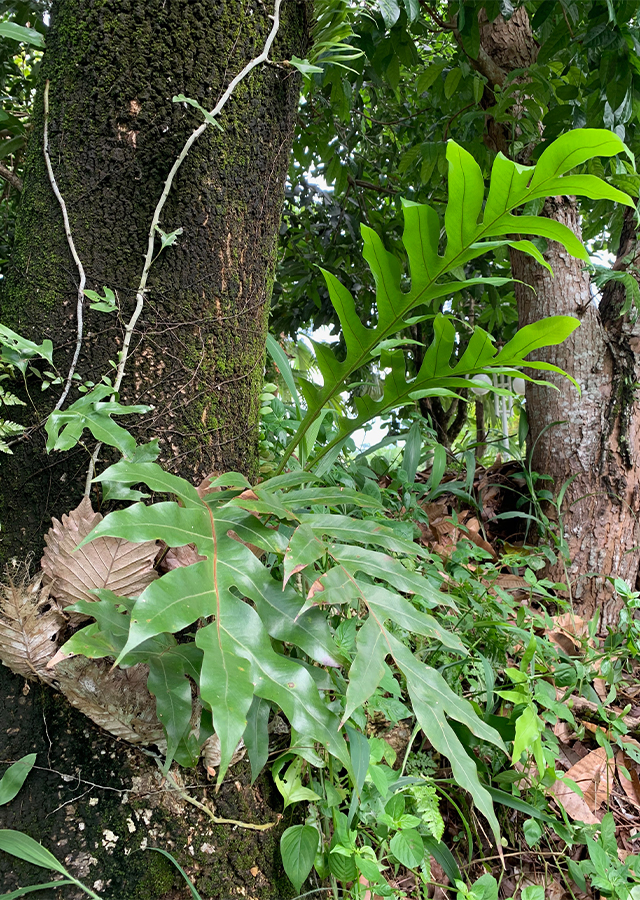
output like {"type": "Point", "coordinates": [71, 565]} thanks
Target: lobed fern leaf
{"type": "Point", "coordinates": [470, 232]}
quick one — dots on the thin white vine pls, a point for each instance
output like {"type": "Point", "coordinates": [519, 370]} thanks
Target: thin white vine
{"type": "Point", "coordinates": [72, 247]}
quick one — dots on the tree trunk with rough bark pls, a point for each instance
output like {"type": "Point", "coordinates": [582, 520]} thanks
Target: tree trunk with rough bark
{"type": "Point", "coordinates": [198, 349]}
{"type": "Point", "coordinates": [197, 357]}
{"type": "Point", "coordinates": [596, 431]}
{"type": "Point", "coordinates": [595, 444]}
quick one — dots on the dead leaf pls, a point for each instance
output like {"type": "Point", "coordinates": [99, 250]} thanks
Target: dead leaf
{"type": "Point", "coordinates": [205, 487]}
{"type": "Point", "coordinates": [117, 700]}
{"type": "Point", "coordinates": [563, 731]}
{"type": "Point", "coordinates": [31, 624]}
{"type": "Point", "coordinates": [211, 753]}
{"type": "Point", "coordinates": [630, 785]}
{"type": "Point", "coordinates": [594, 776]}
{"type": "Point", "coordinates": [124, 567]}
{"type": "Point", "coordinates": [178, 557]}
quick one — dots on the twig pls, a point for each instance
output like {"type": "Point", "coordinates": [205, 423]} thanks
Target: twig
{"type": "Point", "coordinates": [13, 179]}
{"type": "Point", "coordinates": [215, 819]}
{"type": "Point", "coordinates": [142, 287]}
{"type": "Point", "coordinates": [72, 247]}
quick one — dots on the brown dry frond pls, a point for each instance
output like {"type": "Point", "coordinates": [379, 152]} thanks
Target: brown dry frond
{"type": "Point", "coordinates": [124, 567]}
{"type": "Point", "coordinates": [30, 625]}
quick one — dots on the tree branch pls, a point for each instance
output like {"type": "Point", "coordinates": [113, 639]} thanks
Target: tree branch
{"type": "Point", "coordinates": [13, 179]}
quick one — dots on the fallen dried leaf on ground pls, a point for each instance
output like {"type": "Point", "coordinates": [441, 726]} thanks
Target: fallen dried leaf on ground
{"type": "Point", "coordinates": [630, 785]}
{"type": "Point", "coordinates": [594, 776]}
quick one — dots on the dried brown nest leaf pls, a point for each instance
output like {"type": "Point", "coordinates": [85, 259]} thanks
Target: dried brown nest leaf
{"type": "Point", "coordinates": [124, 567]}
{"type": "Point", "coordinates": [29, 627]}
{"type": "Point", "coordinates": [117, 700]}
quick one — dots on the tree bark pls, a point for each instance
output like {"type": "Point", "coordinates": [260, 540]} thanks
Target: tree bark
{"type": "Point", "coordinates": [588, 436]}
{"type": "Point", "coordinates": [595, 431]}
{"type": "Point", "coordinates": [198, 349]}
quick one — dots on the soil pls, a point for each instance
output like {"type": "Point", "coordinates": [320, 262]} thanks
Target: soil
{"type": "Point", "coordinates": [96, 803]}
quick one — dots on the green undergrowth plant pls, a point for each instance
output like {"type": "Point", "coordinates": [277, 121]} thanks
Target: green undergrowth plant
{"type": "Point", "coordinates": [309, 597]}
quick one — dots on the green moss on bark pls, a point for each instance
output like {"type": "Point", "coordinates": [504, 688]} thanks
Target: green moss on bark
{"type": "Point", "coordinates": [198, 351]}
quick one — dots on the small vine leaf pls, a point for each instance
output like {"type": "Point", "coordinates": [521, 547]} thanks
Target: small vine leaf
{"type": "Point", "coordinates": [298, 847]}
{"type": "Point", "coordinates": [31, 626]}
{"type": "Point", "coordinates": [120, 565]}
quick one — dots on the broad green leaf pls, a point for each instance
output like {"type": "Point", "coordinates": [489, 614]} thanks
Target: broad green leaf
{"type": "Point", "coordinates": [15, 32]}
{"type": "Point", "coordinates": [573, 149]}
{"type": "Point", "coordinates": [14, 777]}
{"type": "Point", "coordinates": [390, 10]}
{"type": "Point", "coordinates": [298, 846]}
{"type": "Point", "coordinates": [278, 678]}
{"type": "Point", "coordinates": [413, 9]}
{"type": "Point", "coordinates": [385, 567]}
{"type": "Point", "coordinates": [304, 66]}
{"type": "Point", "coordinates": [225, 684]}
{"type": "Point", "coordinates": [407, 847]}
{"type": "Point", "coordinates": [290, 782]}
{"type": "Point", "coordinates": [433, 701]}
{"type": "Point", "coordinates": [359, 752]}
{"type": "Point", "coordinates": [283, 365]}
{"type": "Point", "coordinates": [467, 185]}
{"type": "Point", "coordinates": [367, 669]}
{"type": "Point", "coordinates": [412, 452]}
{"type": "Point", "coordinates": [24, 847]}
{"type": "Point", "coordinates": [256, 736]}
{"type": "Point", "coordinates": [304, 549]}
{"type": "Point", "coordinates": [365, 531]}
{"type": "Point", "coordinates": [168, 683]}
{"type": "Point", "coordinates": [155, 477]}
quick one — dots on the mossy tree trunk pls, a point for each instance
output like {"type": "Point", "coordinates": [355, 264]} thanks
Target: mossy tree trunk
{"type": "Point", "coordinates": [197, 357]}
{"type": "Point", "coordinates": [198, 349]}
